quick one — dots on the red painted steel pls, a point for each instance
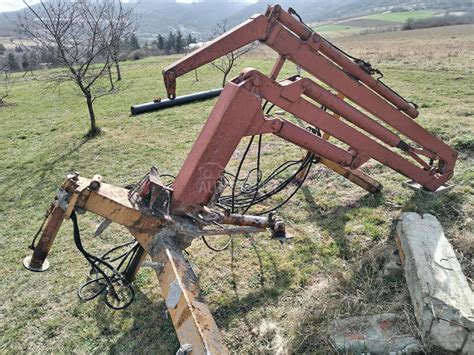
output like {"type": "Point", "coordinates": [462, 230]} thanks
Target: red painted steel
{"type": "Point", "coordinates": [270, 31]}
{"type": "Point", "coordinates": [335, 104]}
{"type": "Point", "coordinates": [343, 61]}
{"type": "Point", "coordinates": [238, 112]}
{"type": "Point", "coordinates": [272, 91]}
{"type": "Point", "coordinates": [227, 124]}
{"type": "Point", "coordinates": [322, 68]}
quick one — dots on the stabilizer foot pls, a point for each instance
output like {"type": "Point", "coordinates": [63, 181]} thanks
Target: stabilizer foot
{"type": "Point", "coordinates": [417, 187]}
{"type": "Point", "coordinates": [43, 267]}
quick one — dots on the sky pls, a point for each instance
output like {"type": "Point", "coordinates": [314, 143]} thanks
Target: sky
{"type": "Point", "coordinates": [12, 5]}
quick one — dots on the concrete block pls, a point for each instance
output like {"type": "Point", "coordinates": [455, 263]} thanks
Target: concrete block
{"type": "Point", "coordinates": [441, 296]}
{"type": "Point", "coordinates": [376, 334]}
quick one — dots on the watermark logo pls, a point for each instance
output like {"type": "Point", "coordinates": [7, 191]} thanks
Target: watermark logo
{"type": "Point", "coordinates": [209, 173]}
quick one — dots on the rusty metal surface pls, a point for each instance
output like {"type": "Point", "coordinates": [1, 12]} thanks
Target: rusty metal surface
{"type": "Point", "coordinates": [278, 25]}
{"type": "Point", "coordinates": [238, 113]}
{"type": "Point", "coordinates": [48, 235]}
{"type": "Point", "coordinates": [234, 112]}
{"type": "Point", "coordinates": [343, 61]}
{"type": "Point", "coordinates": [363, 145]}
{"type": "Point", "coordinates": [299, 44]}
{"type": "Point", "coordinates": [356, 176]}
{"type": "Point", "coordinates": [163, 239]}
{"type": "Point", "coordinates": [191, 317]}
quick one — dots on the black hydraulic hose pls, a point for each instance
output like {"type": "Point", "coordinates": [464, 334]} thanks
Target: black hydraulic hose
{"type": "Point", "coordinates": [105, 282]}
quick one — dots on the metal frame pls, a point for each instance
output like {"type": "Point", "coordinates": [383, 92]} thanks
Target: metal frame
{"type": "Point", "coordinates": [172, 217]}
{"type": "Point", "coordinates": [295, 42]}
{"type": "Point", "coordinates": [162, 237]}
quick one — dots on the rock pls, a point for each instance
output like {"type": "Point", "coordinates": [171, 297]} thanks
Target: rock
{"type": "Point", "coordinates": [393, 268]}
{"type": "Point", "coordinates": [270, 333]}
{"type": "Point", "coordinates": [379, 334]}
{"type": "Point", "coordinates": [440, 293]}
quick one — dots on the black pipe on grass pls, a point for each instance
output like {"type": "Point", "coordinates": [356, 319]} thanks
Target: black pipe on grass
{"type": "Point", "coordinates": [180, 100]}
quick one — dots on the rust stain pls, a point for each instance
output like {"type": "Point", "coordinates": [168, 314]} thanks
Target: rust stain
{"type": "Point", "coordinates": [385, 325]}
{"type": "Point", "coordinates": [354, 335]}
{"type": "Point", "coordinates": [185, 314]}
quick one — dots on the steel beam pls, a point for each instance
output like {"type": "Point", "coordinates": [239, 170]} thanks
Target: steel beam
{"type": "Point", "coordinates": [192, 319]}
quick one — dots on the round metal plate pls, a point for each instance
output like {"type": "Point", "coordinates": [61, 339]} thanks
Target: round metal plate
{"type": "Point", "coordinates": [44, 267]}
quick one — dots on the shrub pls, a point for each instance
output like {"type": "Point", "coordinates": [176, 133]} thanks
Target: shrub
{"type": "Point", "coordinates": [438, 21]}
{"type": "Point", "coordinates": [136, 55]}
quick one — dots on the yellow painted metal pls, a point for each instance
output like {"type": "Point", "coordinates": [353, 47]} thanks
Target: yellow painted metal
{"type": "Point", "coordinates": [356, 176]}
{"type": "Point", "coordinates": [191, 316]}
{"type": "Point", "coordinates": [189, 313]}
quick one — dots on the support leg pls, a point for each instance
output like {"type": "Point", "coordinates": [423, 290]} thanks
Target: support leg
{"type": "Point", "coordinates": [132, 269]}
{"type": "Point", "coordinates": [37, 262]}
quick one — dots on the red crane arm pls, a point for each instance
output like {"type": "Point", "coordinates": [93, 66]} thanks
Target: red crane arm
{"type": "Point", "coordinates": [386, 116]}
{"type": "Point", "coordinates": [274, 29]}
{"type": "Point", "coordinates": [238, 113]}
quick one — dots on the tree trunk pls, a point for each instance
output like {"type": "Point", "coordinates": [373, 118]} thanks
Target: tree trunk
{"type": "Point", "coordinates": [117, 67]}
{"type": "Point", "coordinates": [109, 70]}
{"type": "Point", "coordinates": [94, 130]}
{"type": "Point", "coordinates": [224, 79]}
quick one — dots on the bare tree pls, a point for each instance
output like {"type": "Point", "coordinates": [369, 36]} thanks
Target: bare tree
{"type": "Point", "coordinates": [78, 34]}
{"type": "Point", "coordinates": [122, 21]}
{"type": "Point", "coordinates": [227, 62]}
{"type": "Point", "coordinates": [6, 84]}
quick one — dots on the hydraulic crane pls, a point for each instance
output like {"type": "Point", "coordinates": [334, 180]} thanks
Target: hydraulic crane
{"type": "Point", "coordinates": [342, 99]}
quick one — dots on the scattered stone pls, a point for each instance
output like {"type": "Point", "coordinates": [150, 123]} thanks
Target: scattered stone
{"type": "Point", "coordinates": [440, 293]}
{"type": "Point", "coordinates": [379, 334]}
{"type": "Point", "coordinates": [393, 268]}
{"type": "Point", "coordinates": [270, 334]}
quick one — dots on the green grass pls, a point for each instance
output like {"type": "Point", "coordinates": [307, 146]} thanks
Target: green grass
{"type": "Point", "coordinates": [332, 267]}
{"type": "Point", "coordinates": [399, 17]}
{"type": "Point", "coordinates": [335, 28]}
{"type": "Point", "coordinates": [389, 19]}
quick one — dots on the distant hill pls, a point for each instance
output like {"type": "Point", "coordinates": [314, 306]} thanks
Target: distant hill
{"type": "Point", "coordinates": [310, 11]}
{"type": "Point", "coordinates": [199, 18]}
{"type": "Point", "coordinates": [162, 16]}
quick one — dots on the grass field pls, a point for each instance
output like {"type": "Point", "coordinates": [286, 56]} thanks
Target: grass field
{"type": "Point", "coordinates": [382, 20]}
{"type": "Point", "coordinates": [265, 297]}
{"type": "Point", "coordinates": [399, 17]}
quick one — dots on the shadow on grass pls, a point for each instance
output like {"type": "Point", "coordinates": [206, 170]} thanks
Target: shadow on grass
{"type": "Point", "coordinates": [366, 291]}
{"type": "Point", "coordinates": [36, 180]}
{"type": "Point", "coordinates": [272, 281]}
{"type": "Point", "coordinates": [447, 206]}
{"type": "Point", "coordinates": [149, 330]}
{"type": "Point", "coordinates": [39, 169]}
{"type": "Point", "coordinates": [334, 221]}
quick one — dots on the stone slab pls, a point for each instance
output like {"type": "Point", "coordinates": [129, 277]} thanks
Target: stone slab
{"type": "Point", "coordinates": [441, 296]}
{"type": "Point", "coordinates": [375, 334]}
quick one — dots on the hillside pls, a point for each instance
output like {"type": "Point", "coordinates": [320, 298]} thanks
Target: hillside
{"type": "Point", "coordinates": [380, 22]}
{"type": "Point", "coordinates": [199, 18]}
